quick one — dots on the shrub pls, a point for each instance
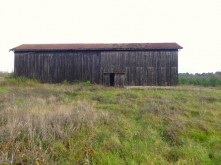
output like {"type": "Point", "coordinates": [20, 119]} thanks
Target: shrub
{"type": "Point", "coordinates": [87, 83]}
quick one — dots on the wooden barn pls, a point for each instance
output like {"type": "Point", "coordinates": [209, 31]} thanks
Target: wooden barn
{"type": "Point", "coordinates": [108, 64]}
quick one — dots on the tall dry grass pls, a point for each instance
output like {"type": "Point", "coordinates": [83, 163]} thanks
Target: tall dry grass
{"type": "Point", "coordinates": [26, 130]}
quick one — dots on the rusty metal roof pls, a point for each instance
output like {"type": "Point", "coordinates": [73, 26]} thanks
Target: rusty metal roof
{"type": "Point", "coordinates": [120, 46]}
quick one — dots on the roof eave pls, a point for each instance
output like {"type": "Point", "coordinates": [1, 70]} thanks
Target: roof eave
{"type": "Point", "coordinates": [44, 50]}
{"type": "Point", "coordinates": [96, 47]}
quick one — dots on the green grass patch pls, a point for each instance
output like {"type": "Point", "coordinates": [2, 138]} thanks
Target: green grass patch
{"type": "Point", "coordinates": [3, 89]}
{"type": "Point", "coordinates": [84, 123]}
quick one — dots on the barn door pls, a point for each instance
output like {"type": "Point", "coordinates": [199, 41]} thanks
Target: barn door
{"type": "Point", "coordinates": [113, 79]}
{"type": "Point", "coordinates": [119, 79]}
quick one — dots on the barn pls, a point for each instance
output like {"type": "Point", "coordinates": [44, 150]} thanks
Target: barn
{"type": "Point", "coordinates": [125, 64]}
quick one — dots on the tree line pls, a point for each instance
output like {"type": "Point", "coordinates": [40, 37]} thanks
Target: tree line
{"type": "Point", "coordinates": [203, 79]}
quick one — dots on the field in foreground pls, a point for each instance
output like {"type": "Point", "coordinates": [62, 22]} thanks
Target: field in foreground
{"type": "Point", "coordinates": [89, 124]}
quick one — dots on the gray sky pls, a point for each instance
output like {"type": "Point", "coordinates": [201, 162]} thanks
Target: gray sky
{"type": "Point", "coordinates": [195, 25]}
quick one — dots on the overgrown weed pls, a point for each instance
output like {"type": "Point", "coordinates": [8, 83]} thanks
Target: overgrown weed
{"type": "Point", "coordinates": [29, 127]}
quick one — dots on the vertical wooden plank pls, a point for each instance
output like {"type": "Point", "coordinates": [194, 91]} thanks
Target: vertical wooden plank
{"type": "Point", "coordinates": [139, 76]}
{"type": "Point", "coordinates": [96, 68]}
{"type": "Point", "coordinates": [106, 79]}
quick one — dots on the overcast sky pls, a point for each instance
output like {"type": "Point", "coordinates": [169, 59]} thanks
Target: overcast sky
{"type": "Point", "coordinates": [195, 25]}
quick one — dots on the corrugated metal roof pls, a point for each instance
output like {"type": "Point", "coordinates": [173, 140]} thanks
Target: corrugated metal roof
{"type": "Point", "coordinates": [120, 46]}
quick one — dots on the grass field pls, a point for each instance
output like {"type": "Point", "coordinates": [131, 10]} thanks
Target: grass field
{"type": "Point", "coordinates": [82, 123]}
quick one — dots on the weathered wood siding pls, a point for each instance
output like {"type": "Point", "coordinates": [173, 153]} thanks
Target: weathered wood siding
{"type": "Point", "coordinates": [142, 67]}
{"type": "Point", "coordinates": [130, 67]}
{"type": "Point", "coordinates": [59, 66]}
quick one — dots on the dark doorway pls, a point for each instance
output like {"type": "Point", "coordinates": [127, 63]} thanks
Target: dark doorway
{"type": "Point", "coordinates": [112, 79]}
